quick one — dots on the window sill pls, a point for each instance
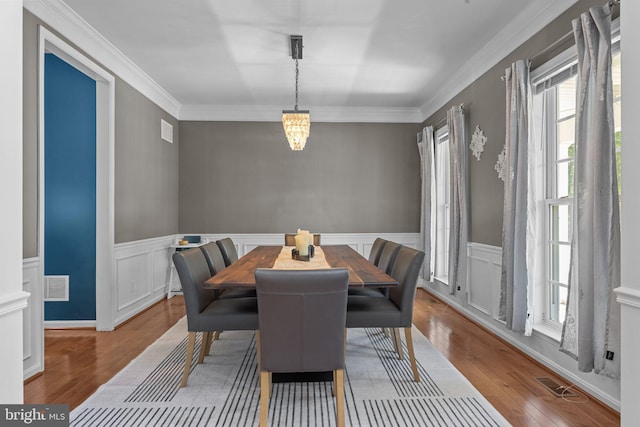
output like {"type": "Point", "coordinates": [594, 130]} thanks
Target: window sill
{"type": "Point", "coordinates": [548, 331]}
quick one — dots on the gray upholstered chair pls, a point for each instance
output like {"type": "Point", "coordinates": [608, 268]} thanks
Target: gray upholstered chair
{"type": "Point", "coordinates": [397, 310]}
{"type": "Point", "coordinates": [374, 257]}
{"type": "Point", "coordinates": [216, 263]}
{"type": "Point", "coordinates": [376, 250]}
{"type": "Point", "coordinates": [205, 312]}
{"type": "Point", "coordinates": [302, 327]}
{"type": "Point", "coordinates": [388, 256]}
{"type": "Point", "coordinates": [228, 249]}
{"type": "Point", "coordinates": [290, 239]}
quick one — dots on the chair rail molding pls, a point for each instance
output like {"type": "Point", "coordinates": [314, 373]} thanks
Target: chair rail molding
{"type": "Point", "coordinates": [628, 296]}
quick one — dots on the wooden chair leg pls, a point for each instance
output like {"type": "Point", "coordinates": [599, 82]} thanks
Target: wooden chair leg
{"type": "Point", "coordinates": [264, 398]}
{"type": "Point", "coordinates": [338, 388]}
{"type": "Point", "coordinates": [412, 357]}
{"type": "Point", "coordinates": [258, 350]}
{"type": "Point", "coordinates": [344, 350]}
{"type": "Point", "coordinates": [385, 331]}
{"type": "Point", "coordinates": [187, 363]}
{"type": "Point", "coordinates": [207, 350]}
{"type": "Point", "coordinates": [203, 346]}
{"type": "Point", "coordinates": [397, 342]}
{"type": "Point", "coordinates": [217, 335]}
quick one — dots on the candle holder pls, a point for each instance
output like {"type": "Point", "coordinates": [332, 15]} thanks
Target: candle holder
{"type": "Point", "coordinates": [296, 255]}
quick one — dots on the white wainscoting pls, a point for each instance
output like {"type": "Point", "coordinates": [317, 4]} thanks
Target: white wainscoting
{"type": "Point", "coordinates": [33, 326]}
{"type": "Point", "coordinates": [361, 242]}
{"type": "Point", "coordinates": [141, 273]}
{"type": "Point", "coordinates": [483, 278]}
{"type": "Point", "coordinates": [481, 303]}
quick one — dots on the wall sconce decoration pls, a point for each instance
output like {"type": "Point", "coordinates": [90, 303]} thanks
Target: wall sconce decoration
{"type": "Point", "coordinates": [477, 142]}
{"type": "Point", "coordinates": [501, 164]}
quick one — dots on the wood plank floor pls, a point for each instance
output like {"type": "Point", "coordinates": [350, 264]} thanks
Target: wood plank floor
{"type": "Point", "coordinates": [77, 362]}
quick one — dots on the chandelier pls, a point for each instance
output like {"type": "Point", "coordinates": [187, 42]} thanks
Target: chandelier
{"type": "Point", "coordinates": [296, 122]}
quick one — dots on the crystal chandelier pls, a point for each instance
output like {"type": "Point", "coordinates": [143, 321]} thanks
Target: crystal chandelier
{"type": "Point", "coordinates": [296, 122]}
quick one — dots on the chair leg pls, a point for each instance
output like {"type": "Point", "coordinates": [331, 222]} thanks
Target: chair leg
{"type": "Point", "coordinates": [264, 398]}
{"type": "Point", "coordinates": [385, 331]}
{"type": "Point", "coordinates": [412, 357]}
{"type": "Point", "coordinates": [344, 349]}
{"type": "Point", "coordinates": [217, 335]}
{"type": "Point", "coordinates": [207, 350]}
{"type": "Point", "coordinates": [338, 388]}
{"type": "Point", "coordinates": [203, 346]}
{"type": "Point", "coordinates": [397, 342]}
{"type": "Point", "coordinates": [187, 363]}
{"type": "Point", "coordinates": [258, 350]}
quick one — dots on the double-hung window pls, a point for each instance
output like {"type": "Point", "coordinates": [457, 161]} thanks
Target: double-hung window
{"type": "Point", "coordinates": [443, 185]}
{"type": "Point", "coordinates": [554, 87]}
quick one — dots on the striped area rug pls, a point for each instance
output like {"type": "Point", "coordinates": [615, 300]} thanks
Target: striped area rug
{"type": "Point", "coordinates": [224, 390]}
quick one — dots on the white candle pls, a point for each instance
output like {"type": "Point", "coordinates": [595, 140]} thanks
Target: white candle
{"type": "Point", "coordinates": [302, 244]}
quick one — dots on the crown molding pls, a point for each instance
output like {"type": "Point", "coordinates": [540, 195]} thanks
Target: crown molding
{"type": "Point", "coordinates": [63, 20]}
{"type": "Point", "coordinates": [514, 34]}
{"type": "Point", "coordinates": [273, 113]}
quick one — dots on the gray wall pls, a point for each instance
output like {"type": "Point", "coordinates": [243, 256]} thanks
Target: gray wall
{"type": "Point", "coordinates": [484, 105]}
{"type": "Point", "coordinates": [242, 177]}
{"type": "Point", "coordinates": [146, 168]}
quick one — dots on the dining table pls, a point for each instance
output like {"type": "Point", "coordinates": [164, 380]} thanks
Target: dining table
{"type": "Point", "coordinates": [241, 274]}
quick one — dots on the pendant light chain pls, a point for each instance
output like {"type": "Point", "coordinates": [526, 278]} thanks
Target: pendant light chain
{"type": "Point", "coordinates": [297, 74]}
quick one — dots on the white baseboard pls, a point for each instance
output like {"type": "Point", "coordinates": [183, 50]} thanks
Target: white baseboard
{"type": "Point", "coordinates": [69, 324]}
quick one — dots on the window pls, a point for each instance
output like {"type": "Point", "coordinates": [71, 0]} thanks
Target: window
{"type": "Point", "coordinates": [442, 178]}
{"type": "Point", "coordinates": [554, 86]}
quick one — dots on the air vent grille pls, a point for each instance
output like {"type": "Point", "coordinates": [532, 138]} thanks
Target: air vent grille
{"type": "Point", "coordinates": [166, 131]}
{"type": "Point", "coordinates": [557, 389]}
{"type": "Point", "coordinates": [56, 288]}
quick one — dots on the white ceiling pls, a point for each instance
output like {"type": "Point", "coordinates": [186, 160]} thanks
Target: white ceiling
{"type": "Point", "coordinates": [358, 54]}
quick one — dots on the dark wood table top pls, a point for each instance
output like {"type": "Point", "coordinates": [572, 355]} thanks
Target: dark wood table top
{"type": "Point", "coordinates": [362, 273]}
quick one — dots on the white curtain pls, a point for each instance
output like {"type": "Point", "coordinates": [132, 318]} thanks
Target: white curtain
{"type": "Point", "coordinates": [426, 144]}
{"type": "Point", "coordinates": [592, 327]}
{"type": "Point", "coordinates": [518, 221]}
{"type": "Point", "coordinates": [458, 201]}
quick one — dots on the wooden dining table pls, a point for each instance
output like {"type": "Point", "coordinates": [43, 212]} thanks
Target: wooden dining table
{"type": "Point", "coordinates": [240, 274]}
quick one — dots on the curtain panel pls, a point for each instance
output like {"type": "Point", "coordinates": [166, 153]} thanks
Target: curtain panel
{"type": "Point", "coordinates": [426, 147]}
{"type": "Point", "coordinates": [591, 330]}
{"type": "Point", "coordinates": [518, 253]}
{"type": "Point", "coordinates": [458, 201]}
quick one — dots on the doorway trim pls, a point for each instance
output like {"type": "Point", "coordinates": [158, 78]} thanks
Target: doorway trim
{"type": "Point", "coordinates": [105, 155]}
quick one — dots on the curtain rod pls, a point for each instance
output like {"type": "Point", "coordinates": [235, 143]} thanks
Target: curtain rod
{"type": "Point", "coordinates": [561, 40]}
{"type": "Point", "coordinates": [444, 119]}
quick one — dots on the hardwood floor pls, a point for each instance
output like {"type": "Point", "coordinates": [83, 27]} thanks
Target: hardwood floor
{"type": "Point", "coordinates": [77, 362]}
{"type": "Point", "coordinates": [503, 374]}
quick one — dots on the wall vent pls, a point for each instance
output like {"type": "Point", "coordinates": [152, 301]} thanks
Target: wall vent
{"type": "Point", "coordinates": [56, 288]}
{"type": "Point", "coordinates": [166, 131]}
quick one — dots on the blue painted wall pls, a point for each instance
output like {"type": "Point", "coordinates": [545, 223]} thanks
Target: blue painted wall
{"type": "Point", "coordinates": [70, 187]}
